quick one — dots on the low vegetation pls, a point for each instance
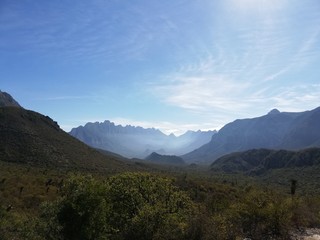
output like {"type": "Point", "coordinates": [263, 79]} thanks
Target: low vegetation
{"type": "Point", "coordinates": [39, 203]}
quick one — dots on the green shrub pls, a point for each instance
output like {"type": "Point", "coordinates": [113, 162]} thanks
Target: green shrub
{"type": "Point", "coordinates": [126, 206]}
{"type": "Point", "coordinates": [261, 215]}
{"type": "Point", "coordinates": [144, 206]}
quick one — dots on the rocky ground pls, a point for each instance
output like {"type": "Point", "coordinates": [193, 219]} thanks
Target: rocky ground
{"type": "Point", "coordinates": [307, 234]}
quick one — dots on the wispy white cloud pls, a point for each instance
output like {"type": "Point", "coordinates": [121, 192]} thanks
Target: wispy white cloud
{"type": "Point", "coordinates": [202, 93]}
{"type": "Point", "coordinates": [257, 6]}
{"type": "Point", "coordinates": [88, 31]}
{"type": "Point", "coordinates": [219, 96]}
{"type": "Point", "coordinates": [245, 70]}
{"type": "Point", "coordinates": [218, 63]}
{"type": "Point", "coordinates": [297, 98]}
{"type": "Point", "coordinates": [305, 53]}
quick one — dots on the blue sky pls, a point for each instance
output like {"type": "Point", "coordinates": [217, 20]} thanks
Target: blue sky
{"type": "Point", "coordinates": [174, 65]}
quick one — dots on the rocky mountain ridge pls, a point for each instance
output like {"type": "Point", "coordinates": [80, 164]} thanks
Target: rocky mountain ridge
{"type": "Point", "coordinates": [138, 142]}
{"type": "Point", "coordinates": [276, 130]}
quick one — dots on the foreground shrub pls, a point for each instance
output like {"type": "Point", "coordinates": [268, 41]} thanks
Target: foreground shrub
{"type": "Point", "coordinates": [262, 215]}
{"type": "Point", "coordinates": [146, 206]}
{"type": "Point", "coordinates": [126, 206]}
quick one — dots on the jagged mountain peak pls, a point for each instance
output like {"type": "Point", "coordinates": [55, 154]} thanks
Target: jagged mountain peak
{"type": "Point", "coordinates": [134, 141]}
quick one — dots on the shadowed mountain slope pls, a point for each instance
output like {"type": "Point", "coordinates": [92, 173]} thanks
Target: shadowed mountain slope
{"type": "Point", "coordinates": [258, 161]}
{"type": "Point", "coordinates": [7, 101]}
{"type": "Point", "coordinates": [165, 159]}
{"type": "Point", "coordinates": [29, 137]}
{"type": "Point", "coordinates": [276, 130]}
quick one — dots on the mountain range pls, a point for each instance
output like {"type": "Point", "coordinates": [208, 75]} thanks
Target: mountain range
{"type": "Point", "coordinates": [138, 142]}
{"type": "Point", "coordinates": [30, 137]}
{"type": "Point", "coordinates": [276, 130]}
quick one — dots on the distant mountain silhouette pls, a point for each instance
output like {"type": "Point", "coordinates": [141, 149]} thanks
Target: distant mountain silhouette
{"type": "Point", "coordinates": [258, 161]}
{"type": "Point", "coordinates": [276, 130]}
{"type": "Point", "coordinates": [138, 142]}
{"type": "Point", "coordinates": [165, 159]}
{"type": "Point", "coordinates": [29, 137]}
{"type": "Point", "coordinates": [7, 101]}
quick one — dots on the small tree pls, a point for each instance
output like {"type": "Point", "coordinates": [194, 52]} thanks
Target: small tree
{"type": "Point", "coordinates": [293, 187]}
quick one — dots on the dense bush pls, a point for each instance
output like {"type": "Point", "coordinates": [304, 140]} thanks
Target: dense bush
{"type": "Point", "coordinates": [146, 206]}
{"type": "Point", "coordinates": [262, 215]}
{"type": "Point", "coordinates": [126, 206]}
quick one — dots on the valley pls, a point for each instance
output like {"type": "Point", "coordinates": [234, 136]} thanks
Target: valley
{"type": "Point", "coordinates": [52, 184]}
